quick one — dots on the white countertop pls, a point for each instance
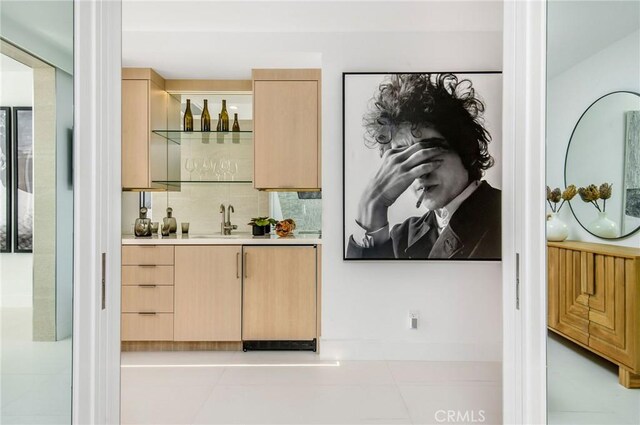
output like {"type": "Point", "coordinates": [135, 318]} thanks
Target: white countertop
{"type": "Point", "coordinates": [234, 239]}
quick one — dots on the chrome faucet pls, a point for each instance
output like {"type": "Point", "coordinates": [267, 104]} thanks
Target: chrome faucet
{"type": "Point", "coordinates": [225, 221]}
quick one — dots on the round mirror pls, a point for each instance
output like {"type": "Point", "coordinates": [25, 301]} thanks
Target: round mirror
{"type": "Point", "coordinates": [605, 149]}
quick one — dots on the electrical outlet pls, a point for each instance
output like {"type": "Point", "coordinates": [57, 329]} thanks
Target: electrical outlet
{"type": "Point", "coordinates": [414, 315]}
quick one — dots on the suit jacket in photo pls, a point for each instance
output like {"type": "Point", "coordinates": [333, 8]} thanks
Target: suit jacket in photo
{"type": "Point", "coordinates": [474, 232]}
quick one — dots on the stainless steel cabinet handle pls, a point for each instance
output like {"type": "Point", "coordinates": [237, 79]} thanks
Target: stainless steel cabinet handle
{"type": "Point", "coordinates": [147, 313]}
{"type": "Point", "coordinates": [244, 265]}
{"type": "Point", "coordinates": [147, 265]}
{"type": "Point", "coordinates": [237, 265]}
{"type": "Point", "coordinates": [148, 286]}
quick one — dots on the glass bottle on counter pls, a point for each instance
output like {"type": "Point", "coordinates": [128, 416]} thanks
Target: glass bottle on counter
{"type": "Point", "coordinates": [142, 226]}
{"type": "Point", "coordinates": [205, 120]}
{"type": "Point", "coordinates": [170, 221]}
{"type": "Point", "coordinates": [224, 116]}
{"type": "Point", "coordinates": [187, 124]}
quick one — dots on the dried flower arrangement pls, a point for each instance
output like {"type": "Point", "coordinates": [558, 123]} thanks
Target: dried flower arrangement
{"type": "Point", "coordinates": [554, 196]}
{"type": "Point", "coordinates": [592, 193]}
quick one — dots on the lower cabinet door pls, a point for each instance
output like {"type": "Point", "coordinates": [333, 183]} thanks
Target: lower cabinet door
{"type": "Point", "coordinates": [207, 293]}
{"type": "Point", "coordinates": [279, 293]}
{"type": "Point", "coordinates": [609, 307]}
{"type": "Point", "coordinates": [568, 300]}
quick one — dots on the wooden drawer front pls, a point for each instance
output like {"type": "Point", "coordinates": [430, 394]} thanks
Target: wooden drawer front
{"type": "Point", "coordinates": [573, 304]}
{"type": "Point", "coordinates": [147, 275]}
{"type": "Point", "coordinates": [147, 327]}
{"type": "Point", "coordinates": [147, 254]}
{"type": "Point", "coordinates": [150, 298]}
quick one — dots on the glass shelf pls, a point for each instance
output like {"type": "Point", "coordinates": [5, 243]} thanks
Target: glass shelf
{"type": "Point", "coordinates": [176, 182]}
{"type": "Point", "coordinates": [220, 137]}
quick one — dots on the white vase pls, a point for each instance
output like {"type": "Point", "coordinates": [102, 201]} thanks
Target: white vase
{"type": "Point", "coordinates": [557, 230]}
{"type": "Point", "coordinates": [603, 227]}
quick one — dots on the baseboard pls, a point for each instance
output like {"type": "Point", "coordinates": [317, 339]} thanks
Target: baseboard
{"type": "Point", "coordinates": [357, 349]}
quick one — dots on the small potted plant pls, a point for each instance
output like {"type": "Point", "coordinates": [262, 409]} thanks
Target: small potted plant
{"type": "Point", "coordinates": [261, 226]}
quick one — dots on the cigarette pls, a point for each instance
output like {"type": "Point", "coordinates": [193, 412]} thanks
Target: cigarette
{"type": "Point", "coordinates": [420, 198]}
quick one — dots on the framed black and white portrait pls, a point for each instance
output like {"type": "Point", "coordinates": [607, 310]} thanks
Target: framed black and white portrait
{"type": "Point", "coordinates": [5, 179]}
{"type": "Point", "coordinates": [23, 178]}
{"type": "Point", "coordinates": [422, 166]}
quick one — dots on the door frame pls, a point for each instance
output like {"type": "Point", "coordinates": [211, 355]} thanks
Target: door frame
{"type": "Point", "coordinates": [97, 156]}
{"type": "Point", "coordinates": [97, 198]}
{"type": "Point", "coordinates": [524, 259]}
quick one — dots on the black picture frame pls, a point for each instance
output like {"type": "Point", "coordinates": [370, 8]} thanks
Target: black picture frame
{"type": "Point", "coordinates": [349, 158]}
{"type": "Point", "coordinates": [6, 177]}
{"type": "Point", "coordinates": [22, 178]}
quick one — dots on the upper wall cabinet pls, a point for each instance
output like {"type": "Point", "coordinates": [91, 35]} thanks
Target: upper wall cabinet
{"type": "Point", "coordinates": [144, 108]}
{"type": "Point", "coordinates": [287, 140]}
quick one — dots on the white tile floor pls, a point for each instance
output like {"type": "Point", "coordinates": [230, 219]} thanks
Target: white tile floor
{"type": "Point", "coordinates": [259, 388]}
{"type": "Point", "coordinates": [35, 377]}
{"type": "Point", "coordinates": [583, 388]}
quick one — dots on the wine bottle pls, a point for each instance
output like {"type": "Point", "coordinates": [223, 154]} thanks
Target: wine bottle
{"type": "Point", "coordinates": [205, 120]}
{"type": "Point", "coordinates": [219, 126]}
{"type": "Point", "coordinates": [188, 117]}
{"type": "Point", "coordinates": [236, 125]}
{"type": "Point", "coordinates": [224, 116]}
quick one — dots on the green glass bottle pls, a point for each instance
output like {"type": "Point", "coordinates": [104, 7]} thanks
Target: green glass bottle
{"type": "Point", "coordinates": [236, 124]}
{"type": "Point", "coordinates": [224, 116]}
{"type": "Point", "coordinates": [205, 119]}
{"type": "Point", "coordinates": [219, 126]}
{"type": "Point", "coordinates": [187, 124]}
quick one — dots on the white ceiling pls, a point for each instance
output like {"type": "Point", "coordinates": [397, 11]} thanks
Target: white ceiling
{"type": "Point", "coordinates": [42, 27]}
{"type": "Point", "coordinates": [220, 35]}
{"type": "Point", "coordinates": [579, 29]}
{"type": "Point", "coordinates": [309, 16]}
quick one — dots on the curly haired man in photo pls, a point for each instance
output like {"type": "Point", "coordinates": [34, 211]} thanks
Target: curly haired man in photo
{"type": "Point", "coordinates": [429, 131]}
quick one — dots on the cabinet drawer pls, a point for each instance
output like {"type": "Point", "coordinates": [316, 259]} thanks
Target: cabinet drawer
{"type": "Point", "coordinates": [147, 275]}
{"type": "Point", "coordinates": [147, 327]}
{"type": "Point", "coordinates": [157, 299]}
{"type": "Point", "coordinates": [147, 254]}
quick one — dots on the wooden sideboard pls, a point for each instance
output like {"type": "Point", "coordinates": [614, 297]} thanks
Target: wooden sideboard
{"type": "Point", "coordinates": [594, 301]}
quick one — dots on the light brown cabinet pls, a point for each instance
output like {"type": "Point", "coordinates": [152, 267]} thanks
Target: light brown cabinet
{"type": "Point", "coordinates": [144, 109]}
{"type": "Point", "coordinates": [215, 296]}
{"type": "Point", "coordinates": [279, 293]}
{"type": "Point", "coordinates": [594, 298]}
{"type": "Point", "coordinates": [147, 293]}
{"type": "Point", "coordinates": [208, 293]}
{"type": "Point", "coordinates": [287, 128]}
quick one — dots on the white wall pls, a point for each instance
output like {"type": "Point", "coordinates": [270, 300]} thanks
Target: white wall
{"type": "Point", "coordinates": [64, 204]}
{"type": "Point", "coordinates": [16, 89]}
{"type": "Point", "coordinates": [365, 305]}
{"type": "Point", "coordinates": [611, 69]}
{"type": "Point", "coordinates": [16, 83]}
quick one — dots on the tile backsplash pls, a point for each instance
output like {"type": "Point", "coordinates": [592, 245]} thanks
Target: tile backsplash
{"type": "Point", "coordinates": [199, 204]}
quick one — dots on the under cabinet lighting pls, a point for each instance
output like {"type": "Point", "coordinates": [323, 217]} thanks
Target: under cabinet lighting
{"type": "Point", "coordinates": [335, 364]}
